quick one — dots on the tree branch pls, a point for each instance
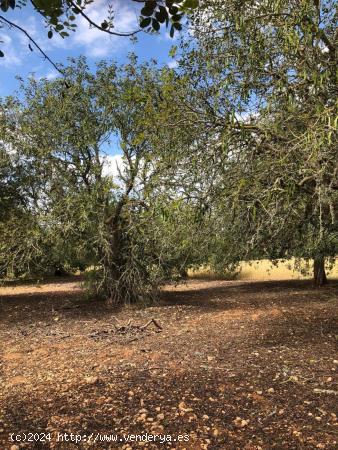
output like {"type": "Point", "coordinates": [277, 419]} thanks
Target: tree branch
{"type": "Point", "coordinates": [14, 25]}
{"type": "Point", "coordinates": [95, 25]}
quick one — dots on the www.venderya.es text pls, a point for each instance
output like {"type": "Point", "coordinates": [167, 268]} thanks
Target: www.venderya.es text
{"type": "Point", "coordinates": [97, 437]}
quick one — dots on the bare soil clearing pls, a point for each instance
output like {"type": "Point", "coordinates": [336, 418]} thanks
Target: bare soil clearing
{"type": "Point", "coordinates": [238, 365]}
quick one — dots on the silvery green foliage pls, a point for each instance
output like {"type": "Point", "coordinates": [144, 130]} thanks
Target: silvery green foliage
{"type": "Point", "coordinates": [128, 228]}
{"type": "Point", "coordinates": [263, 79]}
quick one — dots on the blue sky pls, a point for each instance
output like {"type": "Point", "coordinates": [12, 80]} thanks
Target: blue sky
{"type": "Point", "coordinates": [94, 44]}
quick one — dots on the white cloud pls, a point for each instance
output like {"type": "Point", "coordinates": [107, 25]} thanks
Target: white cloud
{"type": "Point", "coordinates": [246, 116]}
{"type": "Point", "coordinates": [87, 40]}
{"type": "Point", "coordinates": [98, 43]}
{"type": "Point", "coordinates": [111, 165]}
{"type": "Point", "coordinates": [35, 27]}
{"type": "Point", "coordinates": [12, 57]}
{"type": "Point", "coordinates": [323, 47]}
{"type": "Point", "coordinates": [17, 46]}
{"type": "Point", "coordinates": [172, 64]}
{"type": "Point", "coordinates": [165, 36]}
{"type": "Point", "coordinates": [52, 74]}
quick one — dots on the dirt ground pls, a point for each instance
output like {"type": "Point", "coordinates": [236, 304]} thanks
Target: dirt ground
{"type": "Point", "coordinates": [237, 365]}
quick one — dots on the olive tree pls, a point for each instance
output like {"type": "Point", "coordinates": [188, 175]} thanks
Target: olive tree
{"type": "Point", "coordinates": [263, 80]}
{"type": "Point", "coordinates": [130, 229]}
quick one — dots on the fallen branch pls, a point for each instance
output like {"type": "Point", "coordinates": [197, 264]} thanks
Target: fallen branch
{"type": "Point", "coordinates": [204, 366]}
{"type": "Point", "coordinates": [325, 391]}
{"type": "Point", "coordinates": [126, 328]}
{"type": "Point", "coordinates": [157, 325]}
{"type": "Point", "coordinates": [129, 325]}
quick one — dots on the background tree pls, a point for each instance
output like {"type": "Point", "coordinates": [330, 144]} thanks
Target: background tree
{"type": "Point", "coordinates": [20, 233]}
{"type": "Point", "coordinates": [263, 83]}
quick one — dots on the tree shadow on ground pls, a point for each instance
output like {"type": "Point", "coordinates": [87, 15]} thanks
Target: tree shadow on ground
{"type": "Point", "coordinates": [35, 306]}
{"type": "Point", "coordinates": [74, 304]}
{"type": "Point", "coordinates": [42, 281]}
{"type": "Point", "coordinates": [297, 328]}
{"type": "Point", "coordinates": [260, 294]}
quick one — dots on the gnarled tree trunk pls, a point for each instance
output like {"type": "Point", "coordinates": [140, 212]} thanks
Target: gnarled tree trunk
{"type": "Point", "coordinates": [115, 262]}
{"type": "Point", "coordinates": [319, 275]}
